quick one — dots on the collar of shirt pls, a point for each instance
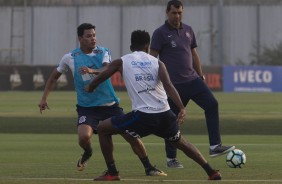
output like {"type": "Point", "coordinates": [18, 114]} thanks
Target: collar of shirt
{"type": "Point", "coordinates": [171, 28]}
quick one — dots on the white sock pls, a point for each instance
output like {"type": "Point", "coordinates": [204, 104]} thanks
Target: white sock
{"type": "Point", "coordinates": [170, 159]}
{"type": "Point", "coordinates": [214, 146]}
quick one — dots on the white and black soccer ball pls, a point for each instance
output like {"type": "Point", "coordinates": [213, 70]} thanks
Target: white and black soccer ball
{"type": "Point", "coordinates": [236, 158]}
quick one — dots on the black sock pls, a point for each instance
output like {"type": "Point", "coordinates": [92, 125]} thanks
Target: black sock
{"type": "Point", "coordinates": [87, 154]}
{"type": "Point", "coordinates": [146, 163]}
{"type": "Point", "coordinates": [112, 168]}
{"type": "Point", "coordinates": [209, 170]}
{"type": "Point", "coordinates": [88, 150]}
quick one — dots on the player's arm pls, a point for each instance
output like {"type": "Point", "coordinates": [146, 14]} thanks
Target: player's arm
{"type": "Point", "coordinates": [83, 70]}
{"type": "Point", "coordinates": [106, 61]}
{"type": "Point", "coordinates": [51, 82]}
{"type": "Point", "coordinates": [196, 63]}
{"type": "Point", "coordinates": [171, 91]}
{"type": "Point", "coordinates": [104, 75]}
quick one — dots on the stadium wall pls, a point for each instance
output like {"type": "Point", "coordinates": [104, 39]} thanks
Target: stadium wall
{"type": "Point", "coordinates": [228, 31]}
{"type": "Point", "coordinates": [226, 78]}
{"type": "Point", "coordinates": [22, 77]}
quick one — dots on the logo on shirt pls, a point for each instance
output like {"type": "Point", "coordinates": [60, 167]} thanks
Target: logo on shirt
{"type": "Point", "coordinates": [141, 64]}
{"type": "Point", "coordinates": [75, 54]}
{"type": "Point", "coordinates": [147, 90]}
{"type": "Point", "coordinates": [188, 35]}
{"type": "Point", "coordinates": [173, 43]}
{"type": "Point", "coordinates": [144, 77]}
{"type": "Point", "coordinates": [97, 51]}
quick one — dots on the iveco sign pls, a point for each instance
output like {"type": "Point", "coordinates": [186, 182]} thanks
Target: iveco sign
{"type": "Point", "coordinates": [252, 78]}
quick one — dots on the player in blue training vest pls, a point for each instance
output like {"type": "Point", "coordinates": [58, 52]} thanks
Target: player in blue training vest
{"type": "Point", "coordinates": [105, 94]}
{"type": "Point", "coordinates": [92, 107]}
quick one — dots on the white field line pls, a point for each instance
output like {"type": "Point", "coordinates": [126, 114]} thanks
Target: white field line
{"type": "Point", "coordinates": [147, 180]}
{"type": "Point", "coordinates": [197, 144]}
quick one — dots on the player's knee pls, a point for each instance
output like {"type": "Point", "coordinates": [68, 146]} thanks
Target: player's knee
{"type": "Point", "coordinates": [214, 103]}
{"type": "Point", "coordinates": [84, 138]}
{"type": "Point", "coordinates": [211, 105]}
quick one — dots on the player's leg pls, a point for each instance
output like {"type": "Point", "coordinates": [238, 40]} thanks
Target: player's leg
{"type": "Point", "coordinates": [168, 129]}
{"type": "Point", "coordinates": [105, 131]}
{"type": "Point", "coordinates": [192, 152]}
{"type": "Point", "coordinates": [135, 143]}
{"type": "Point", "coordinates": [86, 124]}
{"type": "Point", "coordinates": [84, 132]}
{"type": "Point", "coordinates": [207, 101]}
{"type": "Point", "coordinates": [171, 151]}
{"type": "Point", "coordinates": [140, 150]}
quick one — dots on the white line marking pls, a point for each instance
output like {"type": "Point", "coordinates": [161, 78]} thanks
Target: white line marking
{"type": "Point", "coordinates": [145, 180]}
{"type": "Point", "coordinates": [197, 144]}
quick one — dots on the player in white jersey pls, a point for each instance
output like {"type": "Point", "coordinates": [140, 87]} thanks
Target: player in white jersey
{"type": "Point", "coordinates": [92, 107]}
{"type": "Point", "coordinates": [148, 85]}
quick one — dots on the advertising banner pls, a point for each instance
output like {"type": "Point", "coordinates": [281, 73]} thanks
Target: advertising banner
{"type": "Point", "coordinates": [252, 78]}
{"type": "Point", "coordinates": [31, 78]}
{"type": "Point", "coordinates": [17, 77]}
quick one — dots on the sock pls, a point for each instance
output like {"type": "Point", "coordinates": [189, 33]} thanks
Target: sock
{"type": "Point", "coordinates": [146, 163]}
{"type": "Point", "coordinates": [170, 159]}
{"type": "Point", "coordinates": [88, 150]}
{"type": "Point", "coordinates": [214, 146]}
{"type": "Point", "coordinates": [87, 154]}
{"type": "Point", "coordinates": [112, 168]}
{"type": "Point", "coordinates": [209, 170]}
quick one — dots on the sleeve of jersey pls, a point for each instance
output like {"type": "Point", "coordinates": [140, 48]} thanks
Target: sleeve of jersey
{"type": "Point", "coordinates": [157, 40]}
{"type": "Point", "coordinates": [63, 66]}
{"type": "Point", "coordinates": [194, 42]}
{"type": "Point", "coordinates": [107, 57]}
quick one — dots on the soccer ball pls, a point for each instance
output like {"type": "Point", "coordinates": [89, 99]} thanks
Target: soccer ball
{"type": "Point", "coordinates": [236, 158]}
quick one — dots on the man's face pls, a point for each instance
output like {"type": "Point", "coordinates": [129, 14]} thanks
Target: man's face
{"type": "Point", "coordinates": [174, 16]}
{"type": "Point", "coordinates": [88, 39]}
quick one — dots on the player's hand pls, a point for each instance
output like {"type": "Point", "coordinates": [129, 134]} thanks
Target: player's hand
{"type": "Point", "coordinates": [84, 70]}
{"type": "Point", "coordinates": [181, 116]}
{"type": "Point", "coordinates": [87, 89]}
{"type": "Point", "coordinates": [42, 106]}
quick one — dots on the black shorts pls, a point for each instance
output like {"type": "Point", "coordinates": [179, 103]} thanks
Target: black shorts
{"type": "Point", "coordinates": [140, 124]}
{"type": "Point", "coordinates": [92, 115]}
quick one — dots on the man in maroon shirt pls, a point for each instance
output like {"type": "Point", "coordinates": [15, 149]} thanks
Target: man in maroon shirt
{"type": "Point", "coordinates": [175, 44]}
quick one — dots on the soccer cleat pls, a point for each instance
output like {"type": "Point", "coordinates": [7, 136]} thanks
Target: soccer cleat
{"type": "Point", "coordinates": [220, 150]}
{"type": "Point", "coordinates": [153, 171]}
{"type": "Point", "coordinates": [174, 164]}
{"type": "Point", "coordinates": [106, 176]}
{"type": "Point", "coordinates": [82, 162]}
{"type": "Point", "coordinates": [215, 175]}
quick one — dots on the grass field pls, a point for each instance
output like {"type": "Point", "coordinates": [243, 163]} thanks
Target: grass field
{"type": "Point", "coordinates": [42, 149]}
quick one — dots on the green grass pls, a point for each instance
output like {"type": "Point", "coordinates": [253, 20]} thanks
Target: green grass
{"type": "Point", "coordinates": [42, 148]}
{"type": "Point", "coordinates": [240, 113]}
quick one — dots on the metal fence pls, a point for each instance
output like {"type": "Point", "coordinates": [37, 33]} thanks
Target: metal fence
{"type": "Point", "coordinates": [40, 32]}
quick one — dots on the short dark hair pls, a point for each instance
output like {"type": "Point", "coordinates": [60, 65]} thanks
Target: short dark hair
{"type": "Point", "coordinates": [82, 27]}
{"type": "Point", "coordinates": [139, 39]}
{"type": "Point", "coordinates": [176, 3]}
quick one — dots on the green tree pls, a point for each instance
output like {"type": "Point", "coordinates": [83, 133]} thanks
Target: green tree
{"type": "Point", "coordinates": [268, 56]}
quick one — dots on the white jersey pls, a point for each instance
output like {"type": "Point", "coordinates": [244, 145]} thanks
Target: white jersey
{"type": "Point", "coordinates": [140, 75]}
